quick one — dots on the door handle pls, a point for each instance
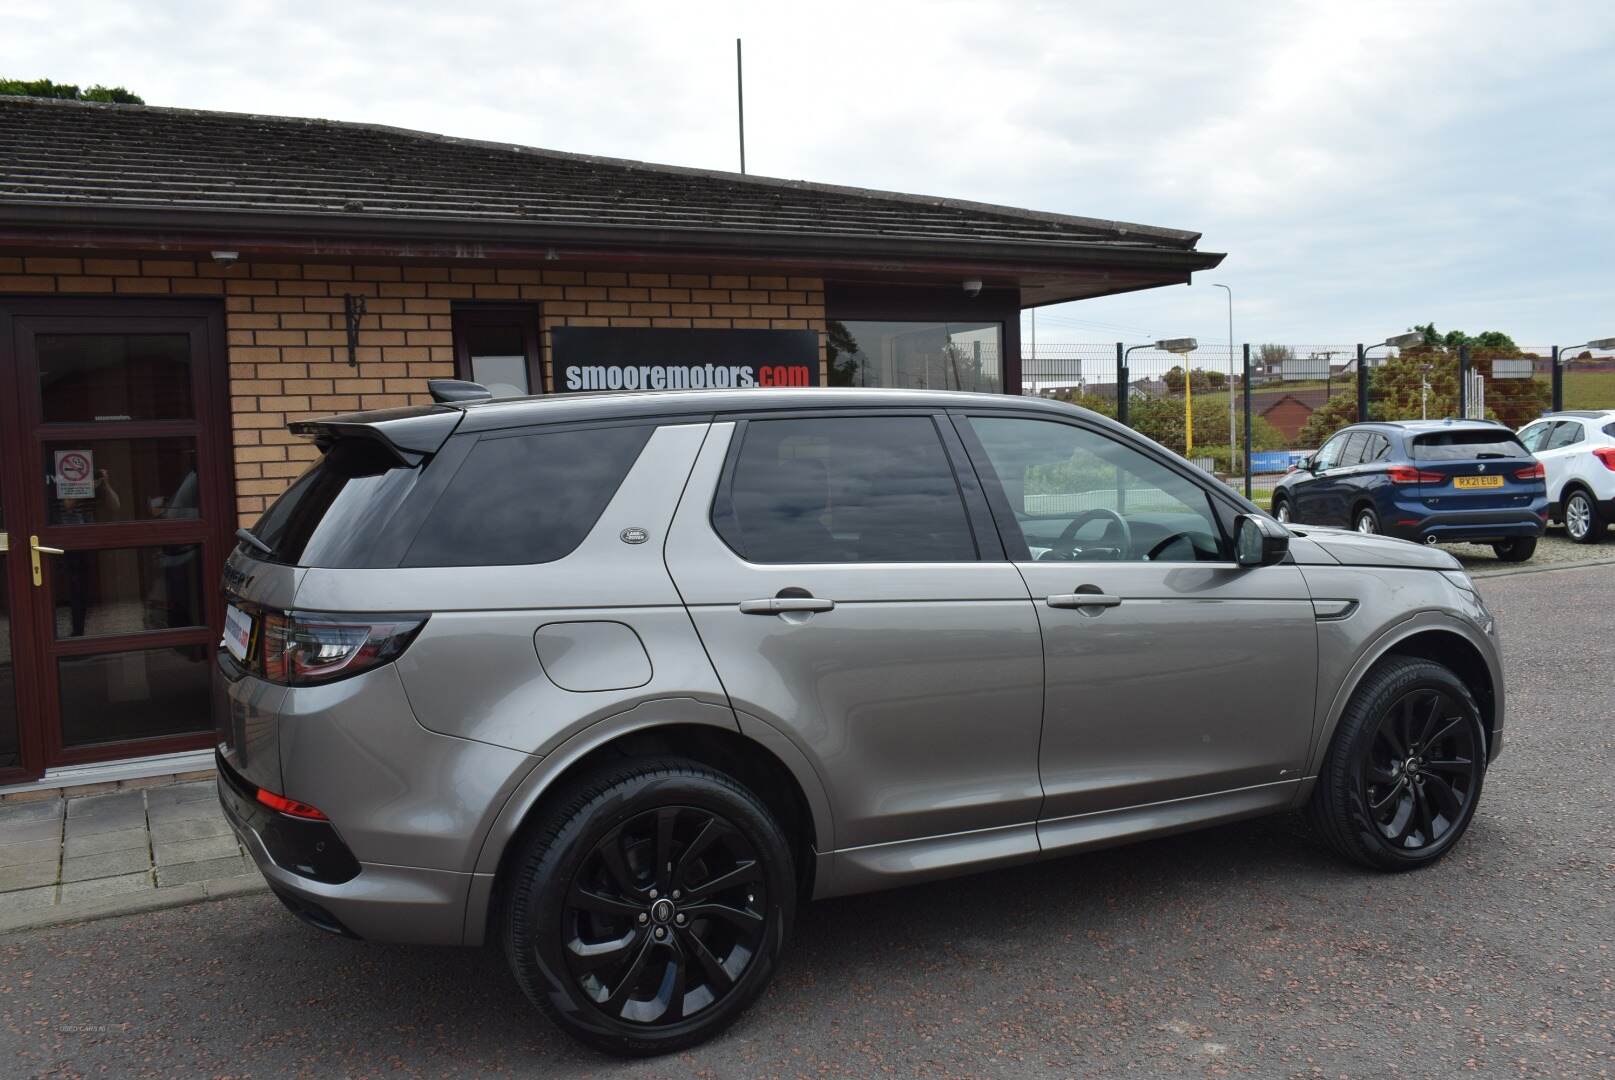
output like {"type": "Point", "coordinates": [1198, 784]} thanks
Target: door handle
{"type": "Point", "coordinates": [35, 550]}
{"type": "Point", "coordinates": [783, 605]}
{"type": "Point", "coordinates": [1083, 600]}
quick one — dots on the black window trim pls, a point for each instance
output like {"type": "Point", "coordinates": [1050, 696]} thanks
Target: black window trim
{"type": "Point", "coordinates": [1223, 505]}
{"type": "Point", "coordinates": [977, 515]}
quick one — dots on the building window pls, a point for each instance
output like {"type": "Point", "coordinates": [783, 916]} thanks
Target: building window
{"type": "Point", "coordinates": [497, 345]}
{"type": "Point", "coordinates": [917, 355]}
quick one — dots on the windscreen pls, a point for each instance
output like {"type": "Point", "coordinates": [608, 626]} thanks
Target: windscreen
{"type": "Point", "coordinates": [1467, 445]}
{"type": "Point", "coordinates": [333, 514]}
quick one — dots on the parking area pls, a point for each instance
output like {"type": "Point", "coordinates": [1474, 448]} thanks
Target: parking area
{"type": "Point", "coordinates": [1245, 950]}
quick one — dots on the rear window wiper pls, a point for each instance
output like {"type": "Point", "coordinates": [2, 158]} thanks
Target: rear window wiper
{"type": "Point", "coordinates": [252, 541]}
{"type": "Point", "coordinates": [1490, 454]}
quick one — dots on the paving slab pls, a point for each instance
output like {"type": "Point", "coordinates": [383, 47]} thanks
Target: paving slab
{"type": "Point", "coordinates": [16, 813]}
{"type": "Point", "coordinates": [101, 842]}
{"type": "Point", "coordinates": [202, 870]}
{"type": "Point", "coordinates": [106, 864]}
{"type": "Point", "coordinates": [175, 794]}
{"type": "Point", "coordinates": [29, 899]}
{"type": "Point", "coordinates": [28, 852]}
{"type": "Point", "coordinates": [191, 828]}
{"type": "Point", "coordinates": [127, 813]}
{"type": "Point", "coordinates": [189, 810]}
{"type": "Point", "coordinates": [93, 806]}
{"type": "Point", "coordinates": [28, 875]}
{"type": "Point", "coordinates": [184, 851]}
{"type": "Point", "coordinates": [20, 832]}
{"type": "Point", "coordinates": [100, 888]}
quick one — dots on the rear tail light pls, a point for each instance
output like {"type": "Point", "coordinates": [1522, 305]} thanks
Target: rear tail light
{"type": "Point", "coordinates": [290, 807]}
{"type": "Point", "coordinates": [1606, 454]}
{"type": "Point", "coordinates": [304, 648]}
{"type": "Point", "coordinates": [1533, 471]}
{"type": "Point", "coordinates": [1407, 474]}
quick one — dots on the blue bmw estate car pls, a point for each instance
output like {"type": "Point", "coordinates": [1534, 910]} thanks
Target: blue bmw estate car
{"type": "Point", "coordinates": [1431, 481]}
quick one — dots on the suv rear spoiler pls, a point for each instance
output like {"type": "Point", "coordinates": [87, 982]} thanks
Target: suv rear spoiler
{"type": "Point", "coordinates": [410, 434]}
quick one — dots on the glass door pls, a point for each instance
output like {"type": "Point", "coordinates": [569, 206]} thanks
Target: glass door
{"type": "Point", "coordinates": [122, 515]}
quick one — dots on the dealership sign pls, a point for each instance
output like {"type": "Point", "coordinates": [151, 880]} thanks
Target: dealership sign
{"type": "Point", "coordinates": [639, 358]}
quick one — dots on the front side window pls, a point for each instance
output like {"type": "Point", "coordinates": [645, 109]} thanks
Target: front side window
{"type": "Point", "coordinates": [1079, 496]}
{"type": "Point", "coordinates": [844, 490]}
{"type": "Point", "coordinates": [1329, 456]}
{"type": "Point", "coordinates": [917, 355]}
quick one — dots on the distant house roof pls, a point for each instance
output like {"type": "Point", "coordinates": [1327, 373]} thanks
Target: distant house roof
{"type": "Point", "coordinates": [111, 167]}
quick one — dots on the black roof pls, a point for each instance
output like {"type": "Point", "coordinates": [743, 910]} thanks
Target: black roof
{"type": "Point", "coordinates": [85, 164]}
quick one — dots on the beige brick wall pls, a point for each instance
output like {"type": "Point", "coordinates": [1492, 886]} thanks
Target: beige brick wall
{"type": "Point", "coordinates": [287, 341]}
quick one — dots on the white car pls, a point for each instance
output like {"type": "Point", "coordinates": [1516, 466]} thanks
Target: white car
{"type": "Point", "coordinates": [1577, 449]}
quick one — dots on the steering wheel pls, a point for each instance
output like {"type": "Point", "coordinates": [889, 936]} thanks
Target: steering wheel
{"type": "Point", "coordinates": [1168, 542]}
{"type": "Point", "coordinates": [1066, 547]}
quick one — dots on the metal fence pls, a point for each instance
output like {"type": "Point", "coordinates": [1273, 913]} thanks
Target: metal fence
{"type": "Point", "coordinates": [1246, 416]}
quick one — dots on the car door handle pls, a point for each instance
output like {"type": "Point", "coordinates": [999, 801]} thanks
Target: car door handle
{"type": "Point", "coordinates": [1083, 600]}
{"type": "Point", "coordinates": [783, 605]}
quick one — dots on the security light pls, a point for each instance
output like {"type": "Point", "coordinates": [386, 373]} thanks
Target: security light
{"type": "Point", "coordinates": [1602, 343]}
{"type": "Point", "coordinates": [1405, 341]}
{"type": "Point", "coordinates": [1178, 345]}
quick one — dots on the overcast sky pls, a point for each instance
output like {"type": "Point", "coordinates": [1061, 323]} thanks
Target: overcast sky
{"type": "Point", "coordinates": [1365, 165]}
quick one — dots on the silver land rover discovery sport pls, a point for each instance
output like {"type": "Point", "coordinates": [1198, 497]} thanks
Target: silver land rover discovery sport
{"type": "Point", "coordinates": [615, 681]}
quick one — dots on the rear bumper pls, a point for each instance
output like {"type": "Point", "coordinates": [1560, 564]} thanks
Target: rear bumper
{"type": "Point", "coordinates": [1413, 521]}
{"type": "Point", "coordinates": [377, 903]}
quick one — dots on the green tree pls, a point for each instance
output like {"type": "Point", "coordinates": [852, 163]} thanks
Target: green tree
{"type": "Point", "coordinates": [44, 88]}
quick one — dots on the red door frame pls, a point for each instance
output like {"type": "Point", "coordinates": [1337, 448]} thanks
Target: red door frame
{"type": "Point", "coordinates": [22, 441]}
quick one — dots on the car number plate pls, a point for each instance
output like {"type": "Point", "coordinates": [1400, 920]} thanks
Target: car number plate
{"type": "Point", "coordinates": [237, 631]}
{"type": "Point", "coordinates": [1477, 482]}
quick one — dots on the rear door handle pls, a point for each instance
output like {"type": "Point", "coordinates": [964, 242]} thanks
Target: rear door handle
{"type": "Point", "coordinates": [782, 605]}
{"type": "Point", "coordinates": [1083, 600]}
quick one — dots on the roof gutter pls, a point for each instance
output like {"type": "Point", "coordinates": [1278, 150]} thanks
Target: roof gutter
{"type": "Point", "coordinates": [348, 235]}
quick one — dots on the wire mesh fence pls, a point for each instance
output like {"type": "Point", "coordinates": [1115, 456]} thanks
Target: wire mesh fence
{"type": "Point", "coordinates": [1248, 414]}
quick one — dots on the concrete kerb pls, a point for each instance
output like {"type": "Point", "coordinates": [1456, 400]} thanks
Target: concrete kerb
{"type": "Point", "coordinates": [194, 892]}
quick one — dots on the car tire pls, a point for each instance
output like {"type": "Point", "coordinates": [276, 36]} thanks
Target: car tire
{"type": "Point", "coordinates": [1583, 523]}
{"type": "Point", "coordinates": [1365, 521]}
{"type": "Point", "coordinates": [598, 924]}
{"type": "Point", "coordinates": [1281, 511]}
{"type": "Point", "coordinates": [1518, 549]}
{"type": "Point", "coordinates": [1405, 768]}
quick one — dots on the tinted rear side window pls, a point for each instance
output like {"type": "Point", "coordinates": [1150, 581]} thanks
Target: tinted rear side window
{"type": "Point", "coordinates": [529, 498]}
{"type": "Point", "coordinates": [333, 514]}
{"type": "Point", "coordinates": [844, 489]}
{"type": "Point", "coordinates": [1463, 445]}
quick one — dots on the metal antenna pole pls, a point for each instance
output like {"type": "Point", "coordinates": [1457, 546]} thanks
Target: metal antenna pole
{"type": "Point", "coordinates": [740, 103]}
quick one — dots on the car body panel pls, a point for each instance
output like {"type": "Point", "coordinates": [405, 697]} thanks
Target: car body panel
{"type": "Point", "coordinates": [1131, 710]}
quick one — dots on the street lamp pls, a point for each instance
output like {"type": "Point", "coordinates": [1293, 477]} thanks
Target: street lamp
{"type": "Point", "coordinates": [1560, 360]}
{"type": "Point", "coordinates": [1233, 441]}
{"type": "Point", "coordinates": [1183, 347]}
{"type": "Point", "coordinates": [1400, 341]}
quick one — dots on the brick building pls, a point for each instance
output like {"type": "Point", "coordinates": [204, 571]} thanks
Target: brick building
{"type": "Point", "coordinates": [176, 286]}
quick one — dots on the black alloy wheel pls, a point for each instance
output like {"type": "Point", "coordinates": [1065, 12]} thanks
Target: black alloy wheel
{"type": "Point", "coordinates": [648, 905]}
{"type": "Point", "coordinates": [1518, 549]}
{"type": "Point", "coordinates": [1404, 770]}
{"type": "Point", "coordinates": [665, 915]}
{"type": "Point", "coordinates": [1423, 768]}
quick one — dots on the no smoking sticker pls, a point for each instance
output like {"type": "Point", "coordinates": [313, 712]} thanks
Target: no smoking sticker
{"type": "Point", "coordinates": [75, 474]}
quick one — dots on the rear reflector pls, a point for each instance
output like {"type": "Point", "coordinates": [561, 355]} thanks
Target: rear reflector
{"type": "Point", "coordinates": [290, 807]}
{"type": "Point", "coordinates": [1534, 471]}
{"type": "Point", "coordinates": [1407, 474]}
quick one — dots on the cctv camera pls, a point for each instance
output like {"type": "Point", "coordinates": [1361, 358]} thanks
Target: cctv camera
{"type": "Point", "coordinates": [972, 288]}
{"type": "Point", "coordinates": [226, 258]}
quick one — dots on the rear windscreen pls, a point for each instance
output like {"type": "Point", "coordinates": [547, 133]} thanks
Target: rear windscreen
{"type": "Point", "coordinates": [332, 515]}
{"type": "Point", "coordinates": [1467, 445]}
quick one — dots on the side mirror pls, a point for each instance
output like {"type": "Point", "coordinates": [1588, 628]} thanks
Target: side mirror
{"type": "Point", "coordinates": [1259, 541]}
